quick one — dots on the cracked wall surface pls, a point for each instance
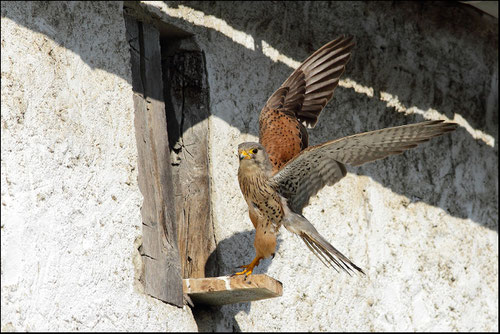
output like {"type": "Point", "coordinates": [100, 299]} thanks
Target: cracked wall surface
{"type": "Point", "coordinates": [423, 225]}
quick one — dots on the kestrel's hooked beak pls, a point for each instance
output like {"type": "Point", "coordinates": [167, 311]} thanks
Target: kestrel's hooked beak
{"type": "Point", "coordinates": [244, 155]}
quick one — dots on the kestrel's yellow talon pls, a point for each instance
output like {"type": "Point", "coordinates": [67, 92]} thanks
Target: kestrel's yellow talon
{"type": "Point", "coordinates": [248, 267]}
{"type": "Point", "coordinates": [240, 273]}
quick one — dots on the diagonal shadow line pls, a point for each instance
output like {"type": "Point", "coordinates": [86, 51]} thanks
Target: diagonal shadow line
{"type": "Point", "coordinates": [428, 166]}
{"type": "Point", "coordinates": [400, 174]}
{"type": "Point", "coordinates": [51, 28]}
{"type": "Point", "coordinates": [441, 17]}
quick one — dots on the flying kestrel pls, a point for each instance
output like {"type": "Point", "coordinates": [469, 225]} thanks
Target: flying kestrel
{"type": "Point", "coordinates": [279, 175]}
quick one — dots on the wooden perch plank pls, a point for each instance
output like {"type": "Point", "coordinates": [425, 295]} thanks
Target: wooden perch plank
{"type": "Point", "coordinates": [229, 290]}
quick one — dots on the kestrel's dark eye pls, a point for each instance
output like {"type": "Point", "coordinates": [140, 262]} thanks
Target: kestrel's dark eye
{"type": "Point", "coordinates": [254, 151]}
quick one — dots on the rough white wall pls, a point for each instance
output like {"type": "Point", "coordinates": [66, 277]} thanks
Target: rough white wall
{"type": "Point", "coordinates": [423, 225]}
{"type": "Point", "coordinates": [70, 200]}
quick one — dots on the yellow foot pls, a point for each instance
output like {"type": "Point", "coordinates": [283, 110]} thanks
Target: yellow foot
{"type": "Point", "coordinates": [248, 267]}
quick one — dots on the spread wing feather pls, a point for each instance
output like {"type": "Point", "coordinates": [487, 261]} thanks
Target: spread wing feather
{"type": "Point", "coordinates": [300, 99]}
{"type": "Point", "coordinates": [317, 166]}
{"type": "Point", "coordinates": [318, 74]}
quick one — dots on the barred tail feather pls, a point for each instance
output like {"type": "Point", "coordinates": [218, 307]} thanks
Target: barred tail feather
{"type": "Point", "coordinates": [326, 253]}
{"type": "Point", "coordinates": [318, 245]}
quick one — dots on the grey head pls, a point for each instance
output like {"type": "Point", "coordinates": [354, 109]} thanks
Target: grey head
{"type": "Point", "coordinates": [251, 153]}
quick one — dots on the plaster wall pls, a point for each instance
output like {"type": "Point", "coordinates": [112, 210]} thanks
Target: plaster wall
{"type": "Point", "coordinates": [423, 225]}
{"type": "Point", "coordinates": [70, 200]}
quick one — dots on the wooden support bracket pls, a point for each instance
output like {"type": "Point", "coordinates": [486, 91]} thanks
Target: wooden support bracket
{"type": "Point", "coordinates": [228, 290]}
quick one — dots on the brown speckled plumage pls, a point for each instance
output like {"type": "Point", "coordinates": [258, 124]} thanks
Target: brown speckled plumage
{"type": "Point", "coordinates": [279, 175]}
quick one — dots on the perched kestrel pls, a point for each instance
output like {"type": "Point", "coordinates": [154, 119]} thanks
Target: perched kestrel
{"type": "Point", "coordinates": [278, 176]}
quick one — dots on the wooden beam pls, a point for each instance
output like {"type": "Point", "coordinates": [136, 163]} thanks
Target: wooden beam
{"type": "Point", "coordinates": [160, 255]}
{"type": "Point", "coordinates": [187, 107]}
{"type": "Point", "coordinates": [228, 290]}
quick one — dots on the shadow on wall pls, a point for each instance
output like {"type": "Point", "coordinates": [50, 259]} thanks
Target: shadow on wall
{"type": "Point", "coordinates": [427, 62]}
{"type": "Point", "coordinates": [232, 245]}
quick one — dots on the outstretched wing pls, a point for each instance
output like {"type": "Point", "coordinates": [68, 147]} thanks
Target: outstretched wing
{"type": "Point", "coordinates": [321, 165]}
{"type": "Point", "coordinates": [300, 99]}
